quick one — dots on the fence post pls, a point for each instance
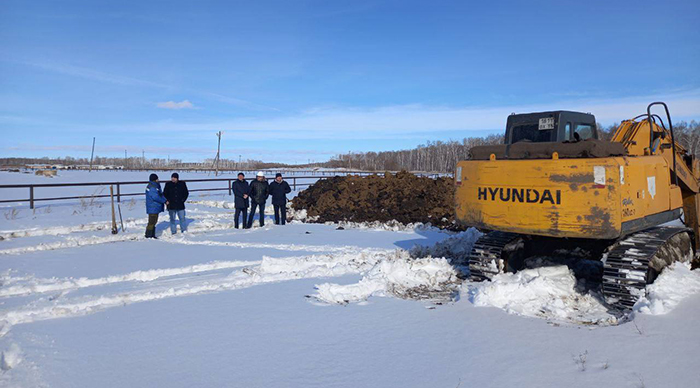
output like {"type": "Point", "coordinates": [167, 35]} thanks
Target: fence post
{"type": "Point", "coordinates": [229, 188]}
{"type": "Point", "coordinates": [31, 197]}
{"type": "Point", "coordinates": [119, 194]}
{"type": "Point", "coordinates": [294, 183]}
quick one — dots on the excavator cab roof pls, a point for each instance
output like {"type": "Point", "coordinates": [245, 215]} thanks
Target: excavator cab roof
{"type": "Point", "coordinates": [555, 126]}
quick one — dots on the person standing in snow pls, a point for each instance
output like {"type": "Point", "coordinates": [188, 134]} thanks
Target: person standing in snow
{"type": "Point", "coordinates": [240, 199]}
{"type": "Point", "coordinates": [279, 190]}
{"type": "Point", "coordinates": [259, 191]}
{"type": "Point", "coordinates": [154, 204]}
{"type": "Point", "coordinates": [176, 193]}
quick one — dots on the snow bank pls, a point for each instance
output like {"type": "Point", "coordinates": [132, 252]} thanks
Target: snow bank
{"type": "Point", "coordinates": [426, 272]}
{"type": "Point", "coordinates": [391, 226]}
{"type": "Point", "coordinates": [455, 248]}
{"type": "Point", "coordinates": [675, 283]}
{"type": "Point", "coordinates": [397, 275]}
{"type": "Point", "coordinates": [546, 292]}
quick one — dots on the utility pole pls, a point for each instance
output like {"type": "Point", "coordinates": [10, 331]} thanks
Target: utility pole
{"type": "Point", "coordinates": [92, 154]}
{"type": "Point", "coordinates": [126, 163]}
{"type": "Point", "coordinates": [218, 152]}
{"type": "Point", "coordinates": [143, 159]}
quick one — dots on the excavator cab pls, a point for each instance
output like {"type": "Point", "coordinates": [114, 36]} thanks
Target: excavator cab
{"type": "Point", "coordinates": [556, 126]}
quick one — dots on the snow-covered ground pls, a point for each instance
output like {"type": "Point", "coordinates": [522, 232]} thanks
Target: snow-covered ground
{"type": "Point", "coordinates": [310, 305]}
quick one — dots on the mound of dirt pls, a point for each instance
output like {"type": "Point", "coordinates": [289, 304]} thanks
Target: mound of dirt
{"type": "Point", "coordinates": [403, 197]}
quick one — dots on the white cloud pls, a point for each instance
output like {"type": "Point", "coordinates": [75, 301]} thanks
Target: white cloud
{"type": "Point", "coordinates": [184, 104]}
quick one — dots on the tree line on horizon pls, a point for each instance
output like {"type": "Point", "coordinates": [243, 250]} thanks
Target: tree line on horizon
{"type": "Point", "coordinates": [140, 163]}
{"type": "Point", "coordinates": [433, 156]}
{"type": "Point", "coordinates": [442, 156]}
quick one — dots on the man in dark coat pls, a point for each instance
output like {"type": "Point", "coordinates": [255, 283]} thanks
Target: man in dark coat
{"type": "Point", "coordinates": [154, 204]}
{"type": "Point", "coordinates": [259, 191]}
{"type": "Point", "coordinates": [240, 199]}
{"type": "Point", "coordinates": [176, 193]}
{"type": "Point", "coordinates": [279, 190]}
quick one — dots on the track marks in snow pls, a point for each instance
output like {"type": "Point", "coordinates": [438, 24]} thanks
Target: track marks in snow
{"type": "Point", "coordinates": [72, 242]}
{"type": "Point", "coordinates": [282, 247]}
{"type": "Point", "coordinates": [269, 270]}
{"type": "Point", "coordinates": [27, 285]}
{"type": "Point", "coordinates": [63, 230]}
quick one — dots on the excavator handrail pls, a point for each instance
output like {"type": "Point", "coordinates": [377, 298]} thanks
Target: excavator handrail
{"type": "Point", "coordinates": [670, 126]}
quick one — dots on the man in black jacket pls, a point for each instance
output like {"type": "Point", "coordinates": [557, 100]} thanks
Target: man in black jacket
{"type": "Point", "coordinates": [176, 193]}
{"type": "Point", "coordinates": [259, 191]}
{"type": "Point", "coordinates": [240, 195]}
{"type": "Point", "coordinates": [279, 190]}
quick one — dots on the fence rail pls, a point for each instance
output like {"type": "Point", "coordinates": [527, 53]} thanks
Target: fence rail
{"type": "Point", "coordinates": [292, 180]}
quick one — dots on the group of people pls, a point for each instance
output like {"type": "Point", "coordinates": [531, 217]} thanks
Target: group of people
{"type": "Point", "coordinates": [253, 195]}
{"type": "Point", "coordinates": [258, 191]}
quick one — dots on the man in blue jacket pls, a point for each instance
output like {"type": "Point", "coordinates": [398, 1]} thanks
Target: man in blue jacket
{"type": "Point", "coordinates": [240, 199]}
{"type": "Point", "coordinates": [154, 204]}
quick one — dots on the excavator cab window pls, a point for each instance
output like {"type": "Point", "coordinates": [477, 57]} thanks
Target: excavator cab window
{"type": "Point", "coordinates": [584, 131]}
{"type": "Point", "coordinates": [531, 132]}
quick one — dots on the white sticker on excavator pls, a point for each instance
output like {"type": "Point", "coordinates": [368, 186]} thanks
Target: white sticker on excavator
{"type": "Point", "coordinates": [622, 175]}
{"type": "Point", "coordinates": [651, 186]}
{"type": "Point", "coordinates": [599, 175]}
{"type": "Point", "coordinates": [458, 174]}
{"type": "Point", "coordinates": [546, 123]}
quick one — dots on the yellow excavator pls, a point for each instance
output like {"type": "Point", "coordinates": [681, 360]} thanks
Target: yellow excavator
{"type": "Point", "coordinates": [554, 185]}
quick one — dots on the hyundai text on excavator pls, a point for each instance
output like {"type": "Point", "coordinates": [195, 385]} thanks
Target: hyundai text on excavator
{"type": "Point", "coordinates": [555, 185]}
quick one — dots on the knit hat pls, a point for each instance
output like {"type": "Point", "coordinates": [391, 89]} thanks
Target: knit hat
{"type": "Point", "coordinates": [175, 175]}
{"type": "Point", "coordinates": [278, 175]}
{"type": "Point", "coordinates": [153, 178]}
{"type": "Point", "coordinates": [240, 173]}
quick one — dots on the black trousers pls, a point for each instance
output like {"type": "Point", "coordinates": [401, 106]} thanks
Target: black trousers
{"type": "Point", "coordinates": [261, 205]}
{"type": "Point", "coordinates": [243, 210]}
{"type": "Point", "coordinates": [280, 209]}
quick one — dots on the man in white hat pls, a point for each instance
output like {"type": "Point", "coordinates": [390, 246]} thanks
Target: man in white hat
{"type": "Point", "coordinates": [259, 191]}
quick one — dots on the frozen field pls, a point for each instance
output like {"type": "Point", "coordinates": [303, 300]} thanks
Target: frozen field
{"type": "Point", "coordinates": [309, 305]}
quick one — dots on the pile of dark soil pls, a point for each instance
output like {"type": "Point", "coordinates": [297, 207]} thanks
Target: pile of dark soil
{"type": "Point", "coordinates": [403, 197]}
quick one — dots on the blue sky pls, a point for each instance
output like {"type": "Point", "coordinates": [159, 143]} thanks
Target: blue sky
{"type": "Point", "coordinates": [293, 81]}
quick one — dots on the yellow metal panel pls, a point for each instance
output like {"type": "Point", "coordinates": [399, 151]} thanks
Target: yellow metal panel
{"type": "Point", "coordinates": [587, 198]}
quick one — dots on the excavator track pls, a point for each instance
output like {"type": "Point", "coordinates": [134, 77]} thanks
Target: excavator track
{"type": "Point", "coordinates": [486, 257]}
{"type": "Point", "coordinates": [626, 270]}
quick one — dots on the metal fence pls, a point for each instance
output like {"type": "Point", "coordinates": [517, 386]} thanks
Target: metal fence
{"type": "Point", "coordinates": [118, 194]}
{"type": "Point", "coordinates": [33, 188]}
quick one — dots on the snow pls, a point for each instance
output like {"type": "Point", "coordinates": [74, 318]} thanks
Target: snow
{"type": "Point", "coordinates": [395, 275]}
{"type": "Point", "coordinates": [674, 284]}
{"type": "Point", "coordinates": [10, 357]}
{"type": "Point", "coordinates": [546, 292]}
{"type": "Point", "coordinates": [310, 305]}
